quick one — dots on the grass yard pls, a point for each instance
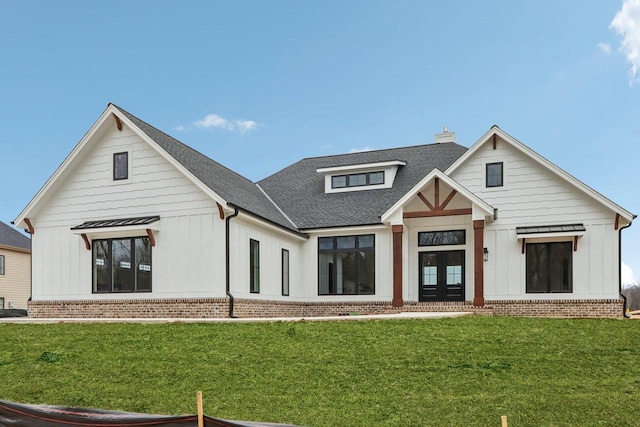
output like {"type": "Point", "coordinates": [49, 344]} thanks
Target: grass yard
{"type": "Point", "coordinates": [448, 372]}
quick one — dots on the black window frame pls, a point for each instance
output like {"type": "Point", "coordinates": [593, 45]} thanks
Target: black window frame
{"type": "Point", "coordinates": [2, 265]}
{"type": "Point", "coordinates": [285, 274]}
{"type": "Point", "coordinates": [110, 268]}
{"type": "Point", "coordinates": [550, 262]}
{"type": "Point", "coordinates": [443, 234]}
{"type": "Point", "coordinates": [116, 175]}
{"type": "Point", "coordinates": [493, 175]}
{"type": "Point", "coordinates": [335, 250]}
{"type": "Point", "coordinates": [254, 268]}
{"type": "Point", "coordinates": [348, 183]}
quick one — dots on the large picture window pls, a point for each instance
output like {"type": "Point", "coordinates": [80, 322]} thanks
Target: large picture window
{"type": "Point", "coordinates": [122, 265]}
{"type": "Point", "coordinates": [254, 265]}
{"type": "Point", "coordinates": [346, 265]}
{"type": "Point", "coordinates": [549, 267]}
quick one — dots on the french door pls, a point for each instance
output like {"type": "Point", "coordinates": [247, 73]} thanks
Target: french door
{"type": "Point", "coordinates": [441, 276]}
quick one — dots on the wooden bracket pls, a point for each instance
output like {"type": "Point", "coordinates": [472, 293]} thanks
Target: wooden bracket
{"type": "Point", "coordinates": [575, 243]}
{"type": "Point", "coordinates": [448, 199]}
{"type": "Point", "coordinates": [426, 202]}
{"type": "Point", "coordinates": [617, 224]}
{"type": "Point", "coordinates": [152, 239]}
{"type": "Point", "coordinates": [220, 211]}
{"type": "Point", "coordinates": [118, 122]}
{"type": "Point", "coordinates": [523, 239]}
{"type": "Point", "coordinates": [436, 192]}
{"type": "Point", "coordinates": [87, 244]}
{"type": "Point", "coordinates": [494, 141]}
{"type": "Point", "coordinates": [30, 226]}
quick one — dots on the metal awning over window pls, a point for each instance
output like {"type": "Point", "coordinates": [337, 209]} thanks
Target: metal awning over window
{"type": "Point", "coordinates": [568, 229]}
{"type": "Point", "coordinates": [117, 228]}
{"type": "Point", "coordinates": [105, 223]}
{"type": "Point", "coordinates": [551, 231]}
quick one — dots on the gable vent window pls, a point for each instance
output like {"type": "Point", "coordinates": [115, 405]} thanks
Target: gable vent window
{"type": "Point", "coordinates": [357, 179]}
{"type": "Point", "coordinates": [120, 166]}
{"type": "Point", "coordinates": [494, 175]}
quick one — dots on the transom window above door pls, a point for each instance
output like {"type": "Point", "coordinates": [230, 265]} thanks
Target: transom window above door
{"type": "Point", "coordinates": [441, 238]}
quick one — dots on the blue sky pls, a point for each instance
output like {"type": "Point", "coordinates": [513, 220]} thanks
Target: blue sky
{"type": "Point", "coordinates": [259, 85]}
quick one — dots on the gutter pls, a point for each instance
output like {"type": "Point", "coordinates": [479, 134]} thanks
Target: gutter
{"type": "Point", "coordinates": [227, 260]}
{"type": "Point", "coordinates": [624, 304]}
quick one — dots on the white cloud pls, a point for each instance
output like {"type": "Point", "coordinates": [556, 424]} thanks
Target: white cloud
{"type": "Point", "coordinates": [627, 275]}
{"type": "Point", "coordinates": [179, 128]}
{"type": "Point", "coordinates": [212, 121]}
{"type": "Point", "coordinates": [627, 24]}
{"type": "Point", "coordinates": [245, 125]}
{"type": "Point", "coordinates": [360, 150]}
{"type": "Point", "coordinates": [605, 47]}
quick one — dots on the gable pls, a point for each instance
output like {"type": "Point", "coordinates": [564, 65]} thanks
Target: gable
{"type": "Point", "coordinates": [532, 183]}
{"type": "Point", "coordinates": [224, 187]}
{"type": "Point", "coordinates": [533, 188]}
{"type": "Point", "coordinates": [89, 191]}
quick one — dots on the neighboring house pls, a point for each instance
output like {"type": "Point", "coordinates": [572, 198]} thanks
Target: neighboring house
{"type": "Point", "coordinates": [15, 268]}
{"type": "Point", "coordinates": [136, 224]}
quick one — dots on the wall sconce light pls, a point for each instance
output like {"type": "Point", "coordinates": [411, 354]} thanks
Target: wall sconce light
{"type": "Point", "coordinates": [486, 254]}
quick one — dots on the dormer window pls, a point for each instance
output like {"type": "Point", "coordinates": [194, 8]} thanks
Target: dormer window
{"type": "Point", "coordinates": [357, 179]}
{"type": "Point", "coordinates": [364, 176]}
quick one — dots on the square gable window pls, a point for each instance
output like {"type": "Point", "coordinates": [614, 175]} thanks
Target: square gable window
{"type": "Point", "coordinates": [120, 166]}
{"type": "Point", "coordinates": [494, 175]}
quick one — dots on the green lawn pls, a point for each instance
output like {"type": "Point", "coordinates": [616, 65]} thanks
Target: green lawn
{"type": "Point", "coordinates": [449, 372]}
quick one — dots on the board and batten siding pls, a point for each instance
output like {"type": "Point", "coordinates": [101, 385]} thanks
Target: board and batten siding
{"type": "Point", "coordinates": [15, 283]}
{"type": "Point", "coordinates": [534, 195]}
{"type": "Point", "coordinates": [242, 229]}
{"type": "Point", "coordinates": [188, 259]}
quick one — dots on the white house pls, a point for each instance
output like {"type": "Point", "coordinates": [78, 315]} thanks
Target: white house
{"type": "Point", "coordinates": [136, 224]}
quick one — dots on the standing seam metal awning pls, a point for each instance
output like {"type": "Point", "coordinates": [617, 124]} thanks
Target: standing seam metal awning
{"type": "Point", "coordinates": [105, 223]}
{"type": "Point", "coordinates": [569, 229]}
{"type": "Point", "coordinates": [549, 231]}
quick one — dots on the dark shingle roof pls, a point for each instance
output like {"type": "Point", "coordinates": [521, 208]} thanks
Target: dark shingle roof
{"type": "Point", "coordinates": [232, 187]}
{"type": "Point", "coordinates": [9, 236]}
{"type": "Point", "coordinates": [299, 190]}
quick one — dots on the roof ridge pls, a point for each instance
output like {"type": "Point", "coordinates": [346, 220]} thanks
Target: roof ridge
{"type": "Point", "coordinates": [381, 149]}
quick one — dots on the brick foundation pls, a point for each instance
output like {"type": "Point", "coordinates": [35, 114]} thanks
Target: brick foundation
{"type": "Point", "coordinates": [137, 308]}
{"type": "Point", "coordinates": [605, 308]}
{"type": "Point", "coordinates": [202, 308]}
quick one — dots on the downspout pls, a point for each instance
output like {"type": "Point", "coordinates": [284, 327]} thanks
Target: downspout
{"type": "Point", "coordinates": [624, 298]}
{"type": "Point", "coordinates": [227, 260]}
